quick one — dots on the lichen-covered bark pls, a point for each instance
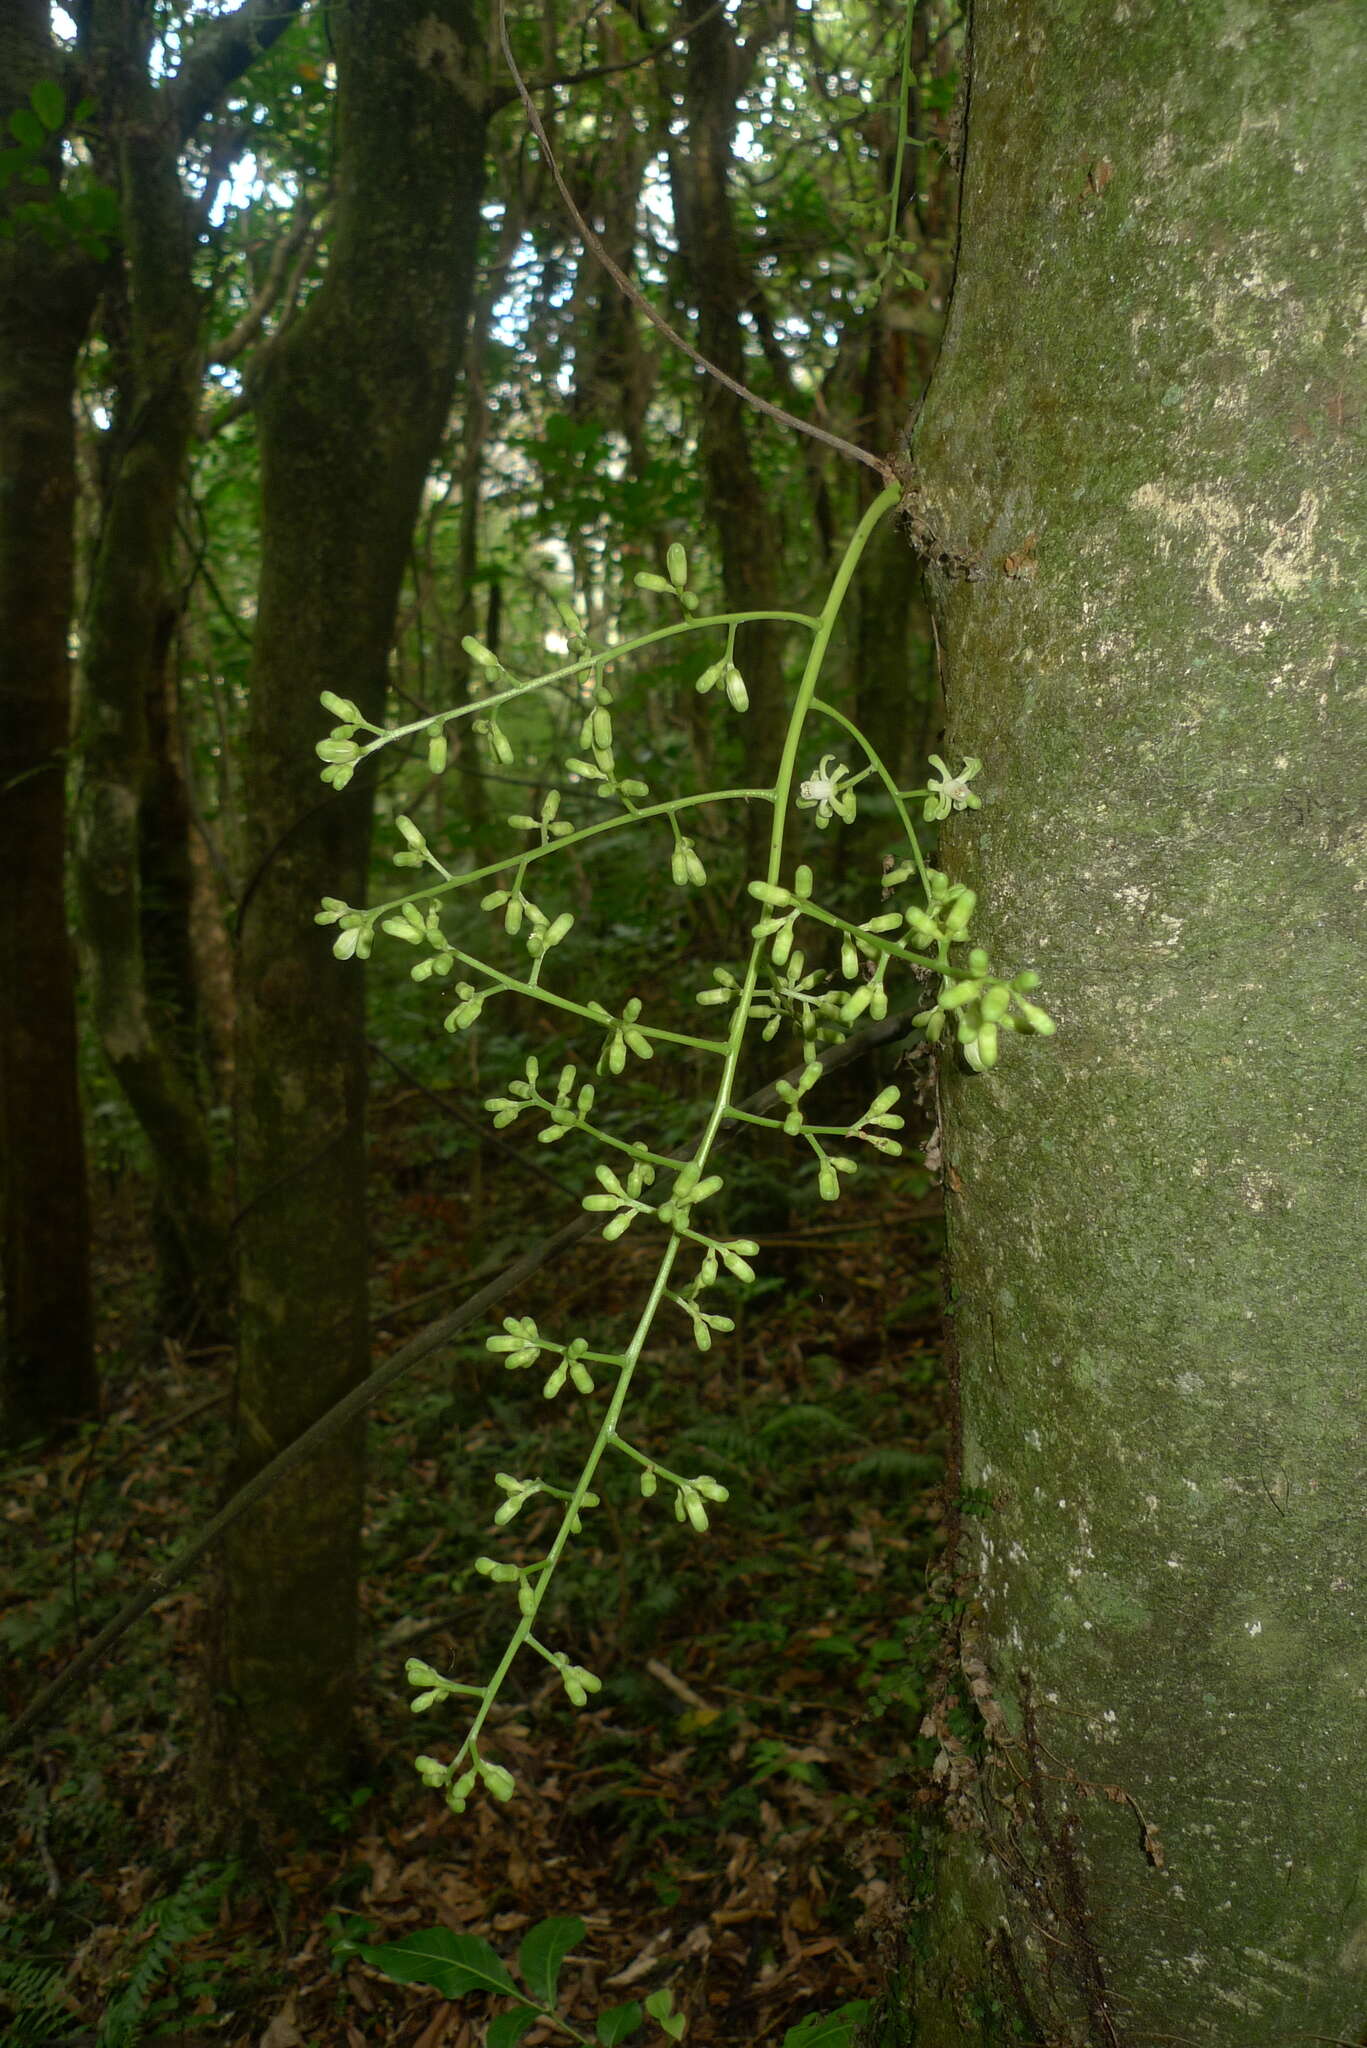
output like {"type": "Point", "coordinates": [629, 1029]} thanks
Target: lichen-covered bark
{"type": "Point", "coordinates": [47, 1366]}
{"type": "Point", "coordinates": [350, 411]}
{"type": "Point", "coordinates": [1156, 1246]}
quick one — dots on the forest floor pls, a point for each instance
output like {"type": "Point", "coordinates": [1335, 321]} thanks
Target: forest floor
{"type": "Point", "coordinates": [729, 1816]}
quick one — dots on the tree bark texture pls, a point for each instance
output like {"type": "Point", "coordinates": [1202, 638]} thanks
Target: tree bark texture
{"type": "Point", "coordinates": [130, 907]}
{"type": "Point", "coordinates": [350, 409]}
{"type": "Point", "coordinates": [48, 1379]}
{"type": "Point", "coordinates": [1135, 475]}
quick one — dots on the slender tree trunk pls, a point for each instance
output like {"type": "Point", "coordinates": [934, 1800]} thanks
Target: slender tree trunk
{"type": "Point", "coordinates": [350, 412]}
{"type": "Point", "coordinates": [134, 909]}
{"type": "Point", "coordinates": [1135, 455]}
{"type": "Point", "coordinates": [709, 254]}
{"type": "Point", "coordinates": [47, 1367]}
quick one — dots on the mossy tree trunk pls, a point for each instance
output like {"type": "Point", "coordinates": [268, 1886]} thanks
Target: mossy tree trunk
{"type": "Point", "coordinates": [47, 1369]}
{"type": "Point", "coordinates": [1135, 454]}
{"type": "Point", "coordinates": [350, 411]}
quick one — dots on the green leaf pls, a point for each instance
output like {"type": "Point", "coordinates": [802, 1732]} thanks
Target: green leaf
{"type": "Point", "coordinates": [830, 2030]}
{"type": "Point", "coordinates": [454, 1963]}
{"type": "Point", "coordinates": [101, 203]}
{"type": "Point", "coordinates": [660, 2006]}
{"type": "Point", "coordinates": [48, 102]}
{"type": "Point", "coordinates": [618, 2022]}
{"type": "Point", "coordinates": [26, 128]}
{"type": "Point", "coordinates": [507, 2030]}
{"type": "Point", "coordinates": [543, 1950]}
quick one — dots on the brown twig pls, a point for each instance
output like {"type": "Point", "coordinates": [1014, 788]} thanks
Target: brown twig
{"type": "Point", "coordinates": [638, 298]}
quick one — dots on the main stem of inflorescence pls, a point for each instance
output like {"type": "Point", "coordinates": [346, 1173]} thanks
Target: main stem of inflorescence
{"type": "Point", "coordinates": [411, 917]}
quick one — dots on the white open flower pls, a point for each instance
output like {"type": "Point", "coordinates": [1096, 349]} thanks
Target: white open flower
{"type": "Point", "coordinates": [951, 792]}
{"type": "Point", "coordinates": [826, 793]}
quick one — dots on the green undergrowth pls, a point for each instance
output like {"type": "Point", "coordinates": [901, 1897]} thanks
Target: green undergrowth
{"type": "Point", "coordinates": [751, 1765]}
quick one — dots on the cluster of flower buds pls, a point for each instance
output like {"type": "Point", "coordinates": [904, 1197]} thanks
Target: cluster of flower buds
{"type": "Point", "coordinates": [495, 1779]}
{"type": "Point", "coordinates": [674, 583]}
{"type": "Point", "coordinates": [541, 932]}
{"type": "Point", "coordinates": [567, 1109]}
{"type": "Point", "coordinates": [595, 736]}
{"type": "Point", "coordinates": [625, 1034]}
{"type": "Point", "coordinates": [521, 1344]}
{"type": "Point", "coordinates": [732, 682]}
{"type": "Point", "coordinates": [548, 824]}
{"type": "Point", "coordinates": [356, 933]}
{"type": "Point", "coordinates": [620, 1203]}
{"type": "Point", "coordinates": [340, 753]}
{"type": "Point", "coordinates": [982, 1006]}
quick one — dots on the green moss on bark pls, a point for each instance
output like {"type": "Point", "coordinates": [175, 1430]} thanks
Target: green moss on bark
{"type": "Point", "coordinates": [1153, 1234]}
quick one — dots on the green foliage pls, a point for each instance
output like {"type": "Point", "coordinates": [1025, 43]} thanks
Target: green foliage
{"type": "Point", "coordinates": [458, 1964]}
{"type": "Point", "coordinates": [74, 210]}
{"type": "Point", "coordinates": [31, 1999]}
{"type": "Point", "coordinates": [835, 2030]}
{"type": "Point", "coordinates": [168, 1924]}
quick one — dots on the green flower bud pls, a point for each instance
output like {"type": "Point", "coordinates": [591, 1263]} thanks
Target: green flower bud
{"type": "Point", "coordinates": [341, 707]}
{"type": "Point", "coordinates": [1039, 1020]}
{"type": "Point", "coordinates": [959, 915]}
{"type": "Point", "coordinates": [501, 1783]}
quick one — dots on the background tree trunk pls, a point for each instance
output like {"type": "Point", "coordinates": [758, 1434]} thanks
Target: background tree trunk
{"type": "Point", "coordinates": [350, 410]}
{"type": "Point", "coordinates": [716, 281]}
{"type": "Point", "coordinates": [46, 296]}
{"type": "Point", "coordinates": [135, 916]}
{"type": "Point", "coordinates": [1153, 1244]}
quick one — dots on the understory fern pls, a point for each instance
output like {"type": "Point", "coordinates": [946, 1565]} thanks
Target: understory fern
{"type": "Point", "coordinates": [170, 1923]}
{"type": "Point", "coordinates": [768, 989]}
{"type": "Point", "coordinates": [32, 2002]}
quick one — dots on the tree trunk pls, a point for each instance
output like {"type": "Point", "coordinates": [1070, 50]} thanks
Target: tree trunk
{"type": "Point", "coordinates": [130, 908]}
{"type": "Point", "coordinates": [1134, 454]}
{"type": "Point", "coordinates": [350, 410]}
{"type": "Point", "coordinates": [709, 254]}
{"type": "Point", "coordinates": [47, 1377]}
